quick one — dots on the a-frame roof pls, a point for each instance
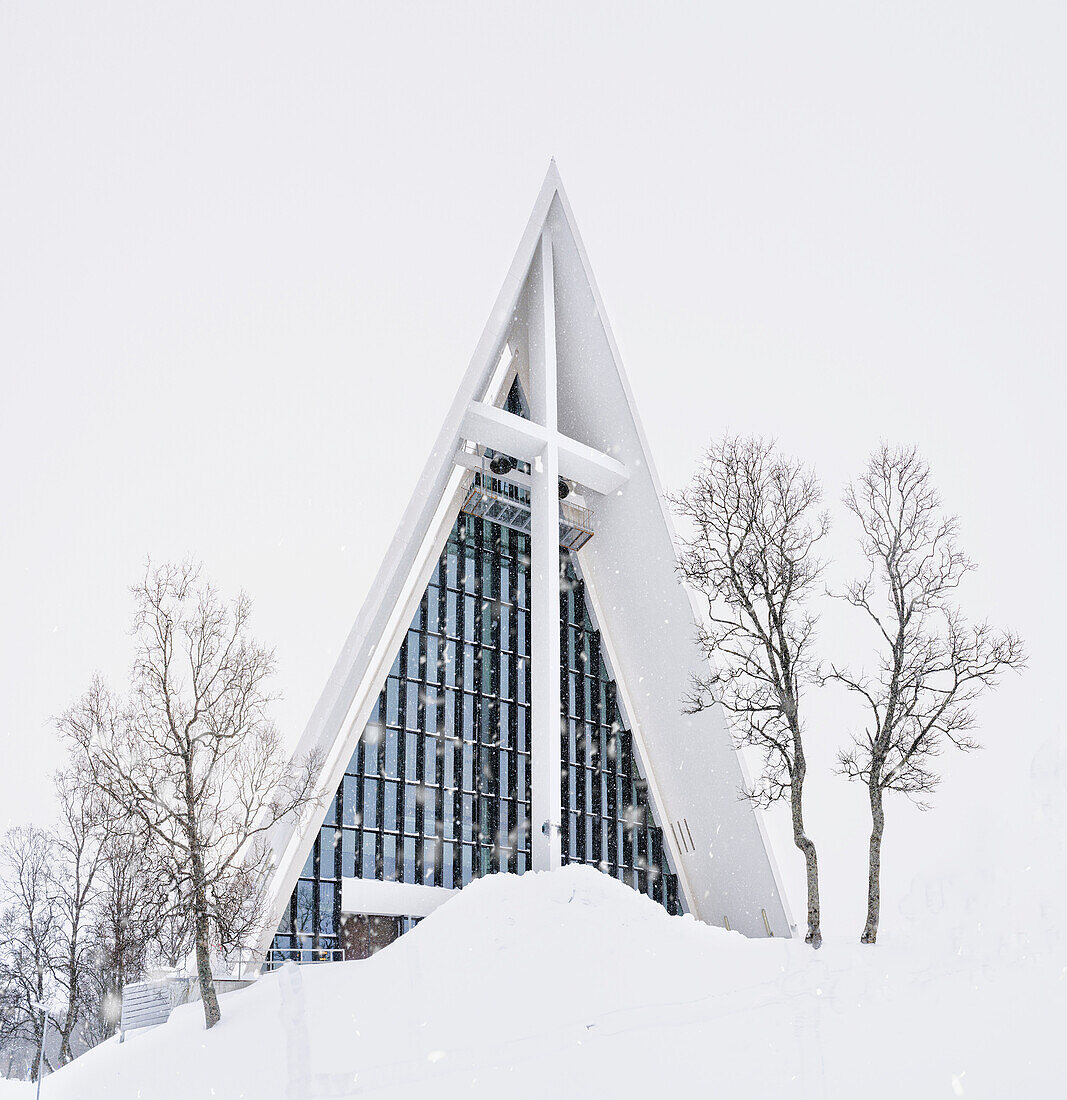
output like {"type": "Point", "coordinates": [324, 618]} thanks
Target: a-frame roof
{"type": "Point", "coordinates": [644, 613]}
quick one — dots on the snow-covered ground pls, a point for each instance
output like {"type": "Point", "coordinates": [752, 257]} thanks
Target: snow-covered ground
{"type": "Point", "coordinates": [571, 985]}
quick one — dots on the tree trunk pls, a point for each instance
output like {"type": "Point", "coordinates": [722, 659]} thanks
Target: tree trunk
{"type": "Point", "coordinates": [67, 1026]}
{"type": "Point", "coordinates": [203, 945]}
{"type": "Point", "coordinates": [874, 866]}
{"type": "Point", "coordinates": [73, 991]}
{"type": "Point", "coordinates": [203, 971]}
{"type": "Point", "coordinates": [200, 906]}
{"type": "Point", "coordinates": [40, 1026]}
{"type": "Point", "coordinates": [811, 862]}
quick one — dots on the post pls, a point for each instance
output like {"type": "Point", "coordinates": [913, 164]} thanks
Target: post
{"type": "Point", "coordinates": [40, 1057]}
{"type": "Point", "coordinates": [544, 576]}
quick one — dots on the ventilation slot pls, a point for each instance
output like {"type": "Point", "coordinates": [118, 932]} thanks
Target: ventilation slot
{"type": "Point", "coordinates": [683, 835]}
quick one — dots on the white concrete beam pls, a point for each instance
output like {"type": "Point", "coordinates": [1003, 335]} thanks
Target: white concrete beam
{"type": "Point", "coordinates": [545, 837]}
{"type": "Point", "coordinates": [489, 426]}
{"type": "Point", "coordinates": [391, 899]}
{"type": "Point", "coordinates": [590, 467]}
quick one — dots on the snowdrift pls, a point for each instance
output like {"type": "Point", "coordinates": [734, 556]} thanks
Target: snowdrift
{"type": "Point", "coordinates": [569, 984]}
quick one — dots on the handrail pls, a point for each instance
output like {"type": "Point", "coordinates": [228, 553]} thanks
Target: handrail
{"type": "Point", "coordinates": [494, 497]}
{"type": "Point", "coordinates": [276, 956]}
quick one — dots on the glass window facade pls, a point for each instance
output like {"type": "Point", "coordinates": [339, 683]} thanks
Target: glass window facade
{"type": "Point", "coordinates": [438, 789]}
{"type": "Point", "coordinates": [607, 814]}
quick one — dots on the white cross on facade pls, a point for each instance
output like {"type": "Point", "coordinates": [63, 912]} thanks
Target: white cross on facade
{"type": "Point", "coordinates": [551, 456]}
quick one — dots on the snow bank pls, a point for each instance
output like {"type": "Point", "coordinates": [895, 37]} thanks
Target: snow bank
{"type": "Point", "coordinates": [571, 985]}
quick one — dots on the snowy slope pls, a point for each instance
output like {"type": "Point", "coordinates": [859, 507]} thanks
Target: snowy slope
{"type": "Point", "coordinates": [570, 984]}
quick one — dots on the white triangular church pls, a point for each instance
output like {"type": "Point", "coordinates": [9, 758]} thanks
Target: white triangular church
{"type": "Point", "coordinates": [511, 695]}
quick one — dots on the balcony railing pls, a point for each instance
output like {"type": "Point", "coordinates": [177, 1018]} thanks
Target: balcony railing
{"type": "Point", "coordinates": [495, 498]}
{"type": "Point", "coordinates": [276, 956]}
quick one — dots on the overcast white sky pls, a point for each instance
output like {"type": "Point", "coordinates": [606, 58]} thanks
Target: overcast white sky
{"type": "Point", "coordinates": [247, 250]}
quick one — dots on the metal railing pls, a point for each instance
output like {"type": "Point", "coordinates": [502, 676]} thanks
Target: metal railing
{"type": "Point", "coordinates": [495, 498]}
{"type": "Point", "coordinates": [302, 956]}
{"type": "Point", "coordinates": [150, 1002]}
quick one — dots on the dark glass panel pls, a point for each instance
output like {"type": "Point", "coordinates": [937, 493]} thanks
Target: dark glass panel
{"type": "Point", "coordinates": [370, 803]}
{"type": "Point", "coordinates": [392, 701]}
{"type": "Point", "coordinates": [327, 898]}
{"type": "Point", "coordinates": [303, 915]}
{"type": "Point", "coordinates": [350, 796]}
{"type": "Point", "coordinates": [328, 853]}
{"type": "Point", "coordinates": [348, 853]}
{"type": "Point", "coordinates": [390, 820]}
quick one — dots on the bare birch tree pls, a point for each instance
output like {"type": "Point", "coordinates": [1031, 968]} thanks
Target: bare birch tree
{"type": "Point", "coordinates": [933, 664]}
{"type": "Point", "coordinates": [85, 820]}
{"type": "Point", "coordinates": [752, 555]}
{"type": "Point", "coordinates": [123, 916]}
{"type": "Point", "coordinates": [49, 882]}
{"type": "Point", "coordinates": [193, 757]}
{"type": "Point", "coordinates": [29, 931]}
